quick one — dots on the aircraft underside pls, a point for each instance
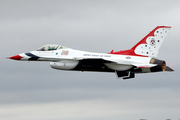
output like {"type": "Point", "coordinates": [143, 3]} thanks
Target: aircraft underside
{"type": "Point", "coordinates": [91, 65]}
{"type": "Point", "coordinates": [99, 65]}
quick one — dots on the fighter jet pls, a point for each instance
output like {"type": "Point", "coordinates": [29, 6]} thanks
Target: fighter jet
{"type": "Point", "coordinates": [141, 58]}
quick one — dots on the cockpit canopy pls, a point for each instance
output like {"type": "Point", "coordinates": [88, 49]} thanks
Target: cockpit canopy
{"type": "Point", "coordinates": [51, 47]}
{"type": "Point", "coordinates": [48, 47]}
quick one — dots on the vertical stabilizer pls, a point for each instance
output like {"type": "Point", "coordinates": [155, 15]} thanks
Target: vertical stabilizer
{"type": "Point", "coordinates": [150, 44]}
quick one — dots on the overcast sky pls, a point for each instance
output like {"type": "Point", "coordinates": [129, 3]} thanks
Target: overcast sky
{"type": "Point", "coordinates": [34, 91]}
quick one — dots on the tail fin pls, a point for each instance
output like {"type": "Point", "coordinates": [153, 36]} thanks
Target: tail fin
{"type": "Point", "coordinates": [150, 44]}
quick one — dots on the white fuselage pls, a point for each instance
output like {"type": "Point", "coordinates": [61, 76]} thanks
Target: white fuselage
{"type": "Point", "coordinates": [68, 59]}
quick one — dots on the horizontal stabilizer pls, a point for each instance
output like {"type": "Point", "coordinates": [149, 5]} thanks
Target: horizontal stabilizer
{"type": "Point", "coordinates": [168, 69]}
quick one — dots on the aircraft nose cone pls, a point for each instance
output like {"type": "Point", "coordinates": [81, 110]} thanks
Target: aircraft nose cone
{"type": "Point", "coordinates": [16, 57]}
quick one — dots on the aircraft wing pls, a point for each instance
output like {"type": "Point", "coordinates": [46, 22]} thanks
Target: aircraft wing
{"type": "Point", "coordinates": [96, 60]}
{"type": "Point", "coordinates": [106, 60]}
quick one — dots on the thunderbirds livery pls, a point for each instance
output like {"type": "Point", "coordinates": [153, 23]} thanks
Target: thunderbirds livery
{"type": "Point", "coordinates": [141, 58]}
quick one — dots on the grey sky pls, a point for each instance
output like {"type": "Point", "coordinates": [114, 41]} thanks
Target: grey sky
{"type": "Point", "coordinates": [34, 91]}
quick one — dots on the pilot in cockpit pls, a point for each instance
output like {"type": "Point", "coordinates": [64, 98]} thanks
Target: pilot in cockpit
{"type": "Point", "coordinates": [48, 48]}
{"type": "Point", "coordinates": [51, 47]}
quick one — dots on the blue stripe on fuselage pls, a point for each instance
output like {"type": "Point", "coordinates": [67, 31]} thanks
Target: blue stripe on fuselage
{"type": "Point", "coordinates": [33, 57]}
